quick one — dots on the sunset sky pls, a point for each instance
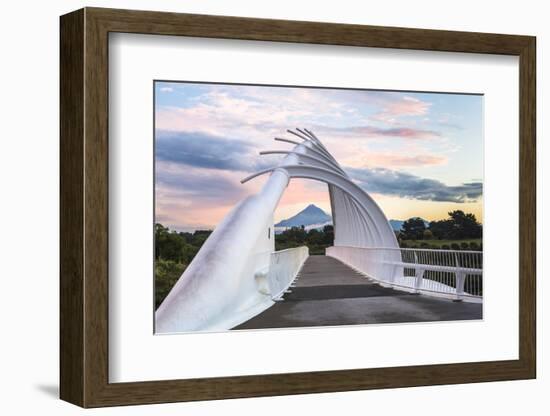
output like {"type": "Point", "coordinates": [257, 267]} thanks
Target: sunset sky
{"type": "Point", "coordinates": [416, 154]}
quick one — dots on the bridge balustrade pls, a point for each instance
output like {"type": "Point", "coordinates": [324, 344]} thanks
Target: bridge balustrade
{"type": "Point", "coordinates": [454, 273]}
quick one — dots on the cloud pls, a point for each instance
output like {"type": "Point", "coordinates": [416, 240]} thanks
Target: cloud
{"type": "Point", "coordinates": [445, 120]}
{"type": "Point", "coordinates": [404, 106]}
{"type": "Point", "coordinates": [187, 197]}
{"type": "Point", "coordinates": [392, 182]}
{"type": "Point", "coordinates": [371, 131]}
{"type": "Point", "coordinates": [257, 113]}
{"type": "Point", "coordinates": [208, 151]}
{"type": "Point", "coordinates": [222, 112]}
{"type": "Point", "coordinates": [392, 159]}
{"type": "Point", "coordinates": [166, 89]}
{"type": "Point", "coordinates": [205, 184]}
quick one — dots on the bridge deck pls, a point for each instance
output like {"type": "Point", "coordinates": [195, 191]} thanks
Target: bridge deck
{"type": "Point", "coordinates": [328, 292]}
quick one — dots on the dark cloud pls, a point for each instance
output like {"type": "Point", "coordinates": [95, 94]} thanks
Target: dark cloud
{"type": "Point", "coordinates": [196, 187]}
{"type": "Point", "coordinates": [391, 182]}
{"type": "Point", "coordinates": [208, 151]}
{"type": "Point", "coordinates": [180, 193]}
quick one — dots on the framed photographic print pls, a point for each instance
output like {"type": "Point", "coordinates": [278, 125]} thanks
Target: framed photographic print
{"type": "Point", "coordinates": [255, 207]}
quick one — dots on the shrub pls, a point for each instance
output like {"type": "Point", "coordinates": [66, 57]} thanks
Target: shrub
{"type": "Point", "coordinates": [474, 246]}
{"type": "Point", "coordinates": [464, 245]}
{"type": "Point", "coordinates": [167, 273]}
{"type": "Point", "coordinates": [445, 247]}
{"type": "Point", "coordinates": [455, 246]}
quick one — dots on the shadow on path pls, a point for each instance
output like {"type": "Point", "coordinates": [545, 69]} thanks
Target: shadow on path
{"type": "Point", "coordinates": [327, 292]}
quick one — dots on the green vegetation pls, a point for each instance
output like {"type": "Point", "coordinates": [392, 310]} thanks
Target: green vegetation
{"type": "Point", "coordinates": [466, 244]}
{"type": "Point", "coordinates": [413, 229]}
{"type": "Point", "coordinates": [173, 252]}
{"type": "Point", "coordinates": [167, 273]}
{"type": "Point", "coordinates": [315, 240]}
{"type": "Point", "coordinates": [458, 226]}
{"type": "Point", "coordinates": [180, 247]}
{"type": "Point", "coordinates": [460, 231]}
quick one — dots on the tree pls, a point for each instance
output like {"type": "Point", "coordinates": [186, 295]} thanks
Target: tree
{"type": "Point", "coordinates": [328, 235]}
{"type": "Point", "coordinates": [179, 247]}
{"type": "Point", "coordinates": [168, 244]}
{"type": "Point", "coordinates": [315, 239]}
{"type": "Point", "coordinates": [167, 273]}
{"type": "Point", "coordinates": [441, 229]}
{"type": "Point", "coordinates": [458, 226]}
{"type": "Point", "coordinates": [413, 229]}
{"type": "Point", "coordinates": [199, 237]}
{"type": "Point", "coordinates": [465, 225]}
{"type": "Point", "coordinates": [173, 252]}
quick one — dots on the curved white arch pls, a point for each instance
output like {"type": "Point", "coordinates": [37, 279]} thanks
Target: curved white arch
{"type": "Point", "coordinates": [310, 149]}
{"type": "Point", "coordinates": [225, 284]}
{"type": "Point", "coordinates": [314, 142]}
{"type": "Point", "coordinates": [309, 134]}
{"type": "Point", "coordinates": [369, 208]}
{"type": "Point", "coordinates": [301, 156]}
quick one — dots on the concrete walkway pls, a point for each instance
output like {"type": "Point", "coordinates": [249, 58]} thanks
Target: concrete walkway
{"type": "Point", "coordinates": [328, 292]}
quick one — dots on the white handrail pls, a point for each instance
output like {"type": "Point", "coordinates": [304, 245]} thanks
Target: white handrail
{"type": "Point", "coordinates": [456, 273]}
{"type": "Point", "coordinates": [284, 266]}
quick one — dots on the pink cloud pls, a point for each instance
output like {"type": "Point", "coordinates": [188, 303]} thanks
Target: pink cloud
{"type": "Point", "coordinates": [252, 114]}
{"type": "Point", "coordinates": [405, 106]}
{"type": "Point", "coordinates": [189, 197]}
{"type": "Point", "coordinates": [371, 131]}
{"type": "Point", "coordinates": [394, 160]}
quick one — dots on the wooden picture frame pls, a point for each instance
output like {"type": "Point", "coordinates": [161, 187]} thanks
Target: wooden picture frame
{"type": "Point", "coordinates": [84, 207]}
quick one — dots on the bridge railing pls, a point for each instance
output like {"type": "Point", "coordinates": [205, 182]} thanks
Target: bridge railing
{"type": "Point", "coordinates": [457, 273]}
{"type": "Point", "coordinates": [284, 266]}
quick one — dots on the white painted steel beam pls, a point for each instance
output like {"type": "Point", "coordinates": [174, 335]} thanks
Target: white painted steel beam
{"type": "Point", "coordinates": [236, 274]}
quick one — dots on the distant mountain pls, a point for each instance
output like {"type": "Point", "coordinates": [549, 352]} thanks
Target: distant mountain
{"type": "Point", "coordinates": [309, 216]}
{"type": "Point", "coordinates": [397, 224]}
{"type": "Point", "coordinates": [314, 217]}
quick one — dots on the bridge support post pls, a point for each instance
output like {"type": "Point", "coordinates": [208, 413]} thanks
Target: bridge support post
{"type": "Point", "coordinates": [419, 275]}
{"type": "Point", "coordinates": [392, 275]}
{"type": "Point", "coordinates": [460, 281]}
{"type": "Point", "coordinates": [261, 281]}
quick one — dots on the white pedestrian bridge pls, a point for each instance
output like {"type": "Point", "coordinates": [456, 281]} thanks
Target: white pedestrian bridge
{"type": "Point", "coordinates": [237, 275]}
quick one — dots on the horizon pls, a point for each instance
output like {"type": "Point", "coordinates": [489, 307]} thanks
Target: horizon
{"type": "Point", "coordinates": [416, 154]}
{"type": "Point", "coordinates": [303, 209]}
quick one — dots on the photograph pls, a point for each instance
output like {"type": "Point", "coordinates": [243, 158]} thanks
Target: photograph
{"type": "Point", "coordinates": [304, 206]}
